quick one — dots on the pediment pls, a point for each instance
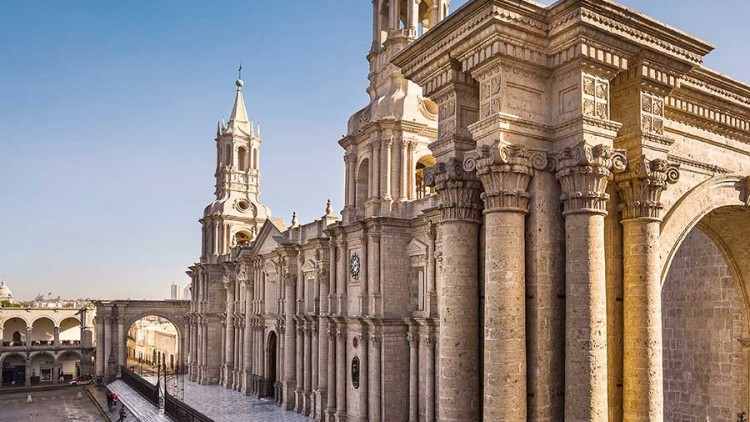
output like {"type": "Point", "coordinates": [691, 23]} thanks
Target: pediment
{"type": "Point", "coordinates": [415, 247]}
{"type": "Point", "coordinates": [309, 266]}
{"type": "Point", "coordinates": [267, 239]}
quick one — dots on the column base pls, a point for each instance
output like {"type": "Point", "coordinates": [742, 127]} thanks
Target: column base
{"type": "Point", "coordinates": [299, 401]}
{"type": "Point", "coordinates": [341, 415]}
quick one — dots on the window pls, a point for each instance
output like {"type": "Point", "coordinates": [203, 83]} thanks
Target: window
{"type": "Point", "coordinates": [422, 164]}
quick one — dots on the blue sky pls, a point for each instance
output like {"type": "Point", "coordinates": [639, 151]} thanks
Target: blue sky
{"type": "Point", "coordinates": [108, 112]}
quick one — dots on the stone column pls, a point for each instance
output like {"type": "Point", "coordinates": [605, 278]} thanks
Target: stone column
{"type": "Point", "coordinates": [323, 359]}
{"type": "Point", "coordinates": [505, 172]}
{"type": "Point", "coordinates": [459, 386]}
{"type": "Point", "coordinates": [313, 367]}
{"type": "Point", "coordinates": [342, 275]}
{"type": "Point", "coordinates": [403, 189]}
{"type": "Point", "coordinates": [290, 338]}
{"type": "Point", "coordinates": [27, 381]}
{"type": "Point", "coordinates": [640, 189]}
{"type": "Point", "coordinates": [100, 341]}
{"type": "Point", "coordinates": [364, 275]}
{"type": "Point", "coordinates": [413, 339]}
{"type": "Point", "coordinates": [332, 384]}
{"type": "Point", "coordinates": [364, 376]}
{"type": "Point", "coordinates": [341, 379]}
{"type": "Point", "coordinates": [56, 336]}
{"type": "Point", "coordinates": [122, 342]}
{"type": "Point", "coordinates": [374, 274]}
{"type": "Point", "coordinates": [375, 413]}
{"type": "Point", "coordinates": [307, 368]}
{"type": "Point", "coordinates": [248, 338]}
{"type": "Point", "coordinates": [429, 394]}
{"type": "Point", "coordinates": [584, 172]}
{"type": "Point", "coordinates": [229, 336]}
{"type": "Point", "coordinates": [29, 332]}
{"type": "Point", "coordinates": [300, 379]}
{"type": "Point", "coordinates": [387, 166]}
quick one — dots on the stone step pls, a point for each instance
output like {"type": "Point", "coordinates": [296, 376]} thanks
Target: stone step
{"type": "Point", "coordinates": [143, 409]}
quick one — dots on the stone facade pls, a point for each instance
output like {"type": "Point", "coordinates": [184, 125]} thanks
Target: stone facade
{"type": "Point", "coordinates": [515, 194]}
{"type": "Point", "coordinates": [40, 345]}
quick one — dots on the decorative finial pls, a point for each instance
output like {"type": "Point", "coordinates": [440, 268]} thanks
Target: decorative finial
{"type": "Point", "coordinates": [239, 81]}
{"type": "Point", "coordinates": [294, 219]}
{"type": "Point", "coordinates": [329, 208]}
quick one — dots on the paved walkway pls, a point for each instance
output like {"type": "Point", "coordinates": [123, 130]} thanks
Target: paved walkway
{"type": "Point", "coordinates": [223, 405]}
{"type": "Point", "coordinates": [141, 408]}
{"type": "Point", "coordinates": [58, 405]}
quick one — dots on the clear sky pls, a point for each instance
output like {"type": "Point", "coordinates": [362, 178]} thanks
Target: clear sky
{"type": "Point", "coordinates": [108, 113]}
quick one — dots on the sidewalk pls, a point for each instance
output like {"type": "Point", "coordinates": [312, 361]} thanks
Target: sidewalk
{"type": "Point", "coordinates": [141, 408]}
{"type": "Point", "coordinates": [100, 395]}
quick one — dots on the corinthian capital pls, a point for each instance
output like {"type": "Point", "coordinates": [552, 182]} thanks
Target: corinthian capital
{"type": "Point", "coordinates": [505, 172]}
{"type": "Point", "coordinates": [642, 186]}
{"type": "Point", "coordinates": [584, 172]}
{"type": "Point", "coordinates": [457, 190]}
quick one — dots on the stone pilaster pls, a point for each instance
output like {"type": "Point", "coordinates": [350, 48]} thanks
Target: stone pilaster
{"type": "Point", "coordinates": [584, 172]}
{"type": "Point", "coordinates": [332, 384]}
{"type": "Point", "coordinates": [290, 341]}
{"type": "Point", "coordinates": [429, 385]}
{"type": "Point", "coordinates": [229, 336]}
{"type": "Point", "coordinates": [341, 364]}
{"type": "Point", "coordinates": [505, 172]}
{"type": "Point", "coordinates": [640, 189]}
{"type": "Point", "coordinates": [459, 195]}
{"type": "Point", "coordinates": [307, 369]}
{"type": "Point", "coordinates": [299, 371]}
{"type": "Point", "coordinates": [413, 339]}
{"type": "Point", "coordinates": [375, 414]}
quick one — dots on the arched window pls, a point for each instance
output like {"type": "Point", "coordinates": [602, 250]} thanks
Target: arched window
{"type": "Point", "coordinates": [423, 163]}
{"type": "Point", "coordinates": [363, 183]}
{"type": "Point", "coordinates": [384, 20]}
{"type": "Point", "coordinates": [242, 238]}
{"type": "Point", "coordinates": [16, 337]}
{"type": "Point", "coordinates": [255, 158]}
{"type": "Point", "coordinates": [227, 155]}
{"type": "Point", "coordinates": [242, 158]}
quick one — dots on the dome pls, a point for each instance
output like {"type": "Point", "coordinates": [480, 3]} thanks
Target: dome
{"type": "Point", "coordinates": [5, 293]}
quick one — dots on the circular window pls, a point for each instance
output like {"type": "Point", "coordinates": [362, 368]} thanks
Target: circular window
{"type": "Point", "coordinates": [243, 205]}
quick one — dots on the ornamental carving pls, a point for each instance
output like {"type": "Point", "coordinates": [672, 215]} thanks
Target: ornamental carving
{"type": "Point", "coordinates": [642, 186]}
{"type": "Point", "coordinates": [584, 172]}
{"type": "Point", "coordinates": [595, 97]}
{"type": "Point", "coordinates": [505, 172]}
{"type": "Point", "coordinates": [458, 191]}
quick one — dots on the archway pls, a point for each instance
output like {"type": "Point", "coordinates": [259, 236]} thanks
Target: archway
{"type": "Point", "coordinates": [69, 363]}
{"type": "Point", "coordinates": [706, 342]}
{"type": "Point", "coordinates": [43, 368]}
{"type": "Point", "coordinates": [423, 163]}
{"type": "Point", "coordinates": [153, 341]}
{"type": "Point", "coordinates": [14, 370]}
{"type": "Point", "coordinates": [42, 332]}
{"type": "Point", "coordinates": [114, 320]}
{"type": "Point", "coordinates": [14, 332]}
{"type": "Point", "coordinates": [70, 332]}
{"type": "Point", "coordinates": [271, 387]}
{"type": "Point", "coordinates": [362, 191]}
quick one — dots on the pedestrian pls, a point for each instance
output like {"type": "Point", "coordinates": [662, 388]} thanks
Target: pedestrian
{"type": "Point", "coordinates": [109, 400]}
{"type": "Point", "coordinates": [62, 379]}
{"type": "Point", "coordinates": [122, 414]}
{"type": "Point", "coordinates": [115, 399]}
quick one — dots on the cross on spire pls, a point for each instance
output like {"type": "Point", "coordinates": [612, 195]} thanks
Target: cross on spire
{"type": "Point", "coordinates": [239, 72]}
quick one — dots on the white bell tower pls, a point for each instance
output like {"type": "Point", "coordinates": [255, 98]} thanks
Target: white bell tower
{"type": "Point", "coordinates": [237, 214]}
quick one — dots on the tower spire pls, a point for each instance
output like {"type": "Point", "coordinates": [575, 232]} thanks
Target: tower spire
{"type": "Point", "coordinates": [238, 121]}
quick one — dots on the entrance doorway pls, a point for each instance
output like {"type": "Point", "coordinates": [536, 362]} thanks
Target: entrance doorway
{"type": "Point", "coordinates": [271, 386]}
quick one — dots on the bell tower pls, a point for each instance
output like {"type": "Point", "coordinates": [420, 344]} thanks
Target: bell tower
{"type": "Point", "coordinates": [386, 142]}
{"type": "Point", "coordinates": [237, 214]}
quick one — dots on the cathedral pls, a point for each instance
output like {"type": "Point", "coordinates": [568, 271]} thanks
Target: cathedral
{"type": "Point", "coordinates": [544, 220]}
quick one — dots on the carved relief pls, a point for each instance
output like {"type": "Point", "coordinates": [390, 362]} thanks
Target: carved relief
{"type": "Point", "coordinates": [641, 187]}
{"type": "Point", "coordinates": [458, 191]}
{"type": "Point", "coordinates": [652, 113]}
{"type": "Point", "coordinates": [505, 172]}
{"type": "Point", "coordinates": [595, 97]}
{"type": "Point", "coordinates": [584, 172]}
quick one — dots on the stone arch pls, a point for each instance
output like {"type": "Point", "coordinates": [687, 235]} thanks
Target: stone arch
{"type": "Point", "coordinates": [43, 329]}
{"type": "Point", "coordinates": [24, 319]}
{"type": "Point", "coordinates": [14, 325]}
{"type": "Point", "coordinates": [362, 187]}
{"type": "Point", "coordinates": [5, 356]}
{"type": "Point", "coordinates": [691, 208]}
{"type": "Point", "coordinates": [705, 268]}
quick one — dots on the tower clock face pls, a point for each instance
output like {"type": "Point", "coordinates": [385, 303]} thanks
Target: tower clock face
{"type": "Point", "coordinates": [354, 266]}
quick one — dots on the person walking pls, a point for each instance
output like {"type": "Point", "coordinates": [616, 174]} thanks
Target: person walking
{"type": "Point", "coordinates": [109, 400]}
{"type": "Point", "coordinates": [123, 415]}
